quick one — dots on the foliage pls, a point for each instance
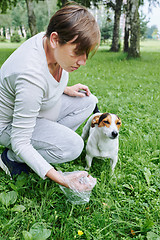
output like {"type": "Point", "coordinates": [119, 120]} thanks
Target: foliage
{"type": "Point", "coordinates": [151, 30]}
{"type": "Point", "coordinates": [106, 32]}
{"type": "Point", "coordinates": [86, 3]}
{"type": "Point", "coordinates": [19, 15]}
{"type": "Point", "coordinates": [5, 4]}
{"type": "Point", "coordinates": [9, 4]}
{"type": "Point", "coordinates": [124, 206]}
{"type": "Point", "coordinates": [2, 39]}
{"type": "Point", "coordinates": [15, 37]}
{"type": "Point", "coordinates": [28, 35]}
{"type": "Point", "coordinates": [37, 231]}
{"type": "Point", "coordinates": [5, 20]}
{"type": "Point", "coordinates": [143, 26]}
{"type": "Point", "coordinates": [42, 9]}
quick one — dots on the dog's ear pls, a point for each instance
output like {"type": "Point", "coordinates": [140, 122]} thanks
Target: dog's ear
{"type": "Point", "coordinates": [104, 115]}
{"type": "Point", "coordinates": [95, 120]}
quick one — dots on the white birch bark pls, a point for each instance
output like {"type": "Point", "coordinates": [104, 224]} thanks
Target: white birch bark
{"type": "Point", "coordinates": [134, 49]}
{"type": "Point", "coordinates": [31, 17]}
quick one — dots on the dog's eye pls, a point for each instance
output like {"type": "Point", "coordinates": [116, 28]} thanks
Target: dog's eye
{"type": "Point", "coordinates": [118, 123]}
{"type": "Point", "coordinates": [106, 122]}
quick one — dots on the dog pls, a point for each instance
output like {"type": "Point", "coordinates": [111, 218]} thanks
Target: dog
{"type": "Point", "coordinates": [102, 130]}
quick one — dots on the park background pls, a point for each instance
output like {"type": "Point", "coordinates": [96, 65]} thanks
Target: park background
{"type": "Point", "coordinates": [124, 206]}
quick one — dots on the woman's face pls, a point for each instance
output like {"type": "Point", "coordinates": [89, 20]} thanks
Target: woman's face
{"type": "Point", "coordinates": [66, 57]}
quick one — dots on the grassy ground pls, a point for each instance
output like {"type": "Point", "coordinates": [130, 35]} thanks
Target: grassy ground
{"type": "Point", "coordinates": [124, 206]}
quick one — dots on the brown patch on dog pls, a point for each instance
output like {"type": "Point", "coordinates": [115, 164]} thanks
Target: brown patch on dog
{"type": "Point", "coordinates": [105, 120]}
{"type": "Point", "coordinates": [95, 120]}
{"type": "Point", "coordinates": [118, 122]}
{"type": "Point", "coordinates": [102, 116]}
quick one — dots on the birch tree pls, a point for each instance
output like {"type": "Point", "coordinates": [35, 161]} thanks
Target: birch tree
{"type": "Point", "coordinates": [8, 4]}
{"type": "Point", "coordinates": [117, 8]}
{"type": "Point", "coordinates": [31, 17]}
{"type": "Point", "coordinates": [134, 48]}
{"type": "Point", "coordinates": [127, 26]}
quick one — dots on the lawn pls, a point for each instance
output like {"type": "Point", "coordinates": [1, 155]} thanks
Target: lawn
{"type": "Point", "coordinates": [123, 206]}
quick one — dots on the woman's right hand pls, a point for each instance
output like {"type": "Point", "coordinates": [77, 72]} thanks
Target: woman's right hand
{"type": "Point", "coordinates": [79, 181]}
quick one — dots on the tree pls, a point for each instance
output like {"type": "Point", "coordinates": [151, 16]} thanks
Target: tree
{"type": "Point", "coordinates": [86, 3]}
{"type": "Point", "coordinates": [117, 8]}
{"type": "Point", "coordinates": [134, 48]}
{"type": "Point", "coordinates": [7, 4]}
{"type": "Point", "coordinates": [31, 17]}
{"type": "Point", "coordinates": [143, 26]}
{"type": "Point", "coordinates": [151, 30]}
{"type": "Point", "coordinates": [127, 26]}
{"type": "Point", "coordinates": [19, 16]}
{"type": "Point", "coordinates": [5, 22]}
{"type": "Point", "coordinates": [107, 31]}
{"type": "Point", "coordinates": [132, 28]}
{"type": "Point", "coordinates": [45, 9]}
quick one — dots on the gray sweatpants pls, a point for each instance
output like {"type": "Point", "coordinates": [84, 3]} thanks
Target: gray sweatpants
{"type": "Point", "coordinates": [57, 141]}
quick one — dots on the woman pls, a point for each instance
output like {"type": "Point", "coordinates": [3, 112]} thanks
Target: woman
{"type": "Point", "coordinates": [39, 113]}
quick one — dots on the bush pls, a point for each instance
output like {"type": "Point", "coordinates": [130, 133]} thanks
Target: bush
{"type": "Point", "coordinates": [2, 39]}
{"type": "Point", "coordinates": [28, 35]}
{"type": "Point", "coordinates": [15, 37]}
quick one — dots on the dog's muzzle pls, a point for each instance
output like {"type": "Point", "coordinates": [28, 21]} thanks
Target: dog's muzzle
{"type": "Point", "coordinates": [114, 134]}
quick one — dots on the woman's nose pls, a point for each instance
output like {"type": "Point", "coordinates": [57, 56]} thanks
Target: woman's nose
{"type": "Point", "coordinates": [82, 60]}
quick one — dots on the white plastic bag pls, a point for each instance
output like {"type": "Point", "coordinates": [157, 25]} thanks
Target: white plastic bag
{"type": "Point", "coordinates": [76, 196]}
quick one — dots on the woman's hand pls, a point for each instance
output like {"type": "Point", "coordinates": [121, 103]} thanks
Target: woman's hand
{"type": "Point", "coordinates": [78, 90]}
{"type": "Point", "coordinates": [78, 181]}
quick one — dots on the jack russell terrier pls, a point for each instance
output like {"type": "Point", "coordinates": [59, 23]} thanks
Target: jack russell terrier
{"type": "Point", "coordinates": [102, 131]}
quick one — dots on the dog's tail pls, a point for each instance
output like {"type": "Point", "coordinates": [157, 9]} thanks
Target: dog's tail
{"type": "Point", "coordinates": [86, 128]}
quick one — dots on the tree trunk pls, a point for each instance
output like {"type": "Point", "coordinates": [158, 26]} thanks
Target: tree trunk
{"type": "Point", "coordinates": [115, 40]}
{"type": "Point", "coordinates": [31, 17]}
{"type": "Point", "coordinates": [126, 39]}
{"type": "Point", "coordinates": [21, 30]}
{"type": "Point", "coordinates": [127, 27]}
{"type": "Point", "coordinates": [4, 32]}
{"type": "Point", "coordinates": [134, 49]}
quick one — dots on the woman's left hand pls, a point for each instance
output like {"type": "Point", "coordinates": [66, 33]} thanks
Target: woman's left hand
{"type": "Point", "coordinates": [78, 90]}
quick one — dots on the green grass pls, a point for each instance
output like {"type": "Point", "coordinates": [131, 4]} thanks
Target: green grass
{"type": "Point", "coordinates": [7, 44]}
{"type": "Point", "coordinates": [125, 206]}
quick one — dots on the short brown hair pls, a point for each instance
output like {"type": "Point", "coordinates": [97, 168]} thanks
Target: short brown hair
{"type": "Point", "coordinates": [75, 20]}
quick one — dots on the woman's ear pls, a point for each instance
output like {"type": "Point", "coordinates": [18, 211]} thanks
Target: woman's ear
{"type": "Point", "coordinates": [54, 40]}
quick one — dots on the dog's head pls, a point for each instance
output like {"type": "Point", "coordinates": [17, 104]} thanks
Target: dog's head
{"type": "Point", "coordinates": [109, 124]}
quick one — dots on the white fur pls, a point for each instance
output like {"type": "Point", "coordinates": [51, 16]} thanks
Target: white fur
{"type": "Point", "coordinates": [100, 143]}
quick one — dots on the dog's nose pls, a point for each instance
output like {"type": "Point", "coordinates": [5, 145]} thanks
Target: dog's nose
{"type": "Point", "coordinates": [114, 134]}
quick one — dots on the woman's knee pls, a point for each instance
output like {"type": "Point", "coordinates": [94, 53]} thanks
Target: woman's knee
{"type": "Point", "coordinates": [92, 100]}
{"type": "Point", "coordinates": [73, 149]}
{"type": "Point", "coordinates": [69, 149]}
